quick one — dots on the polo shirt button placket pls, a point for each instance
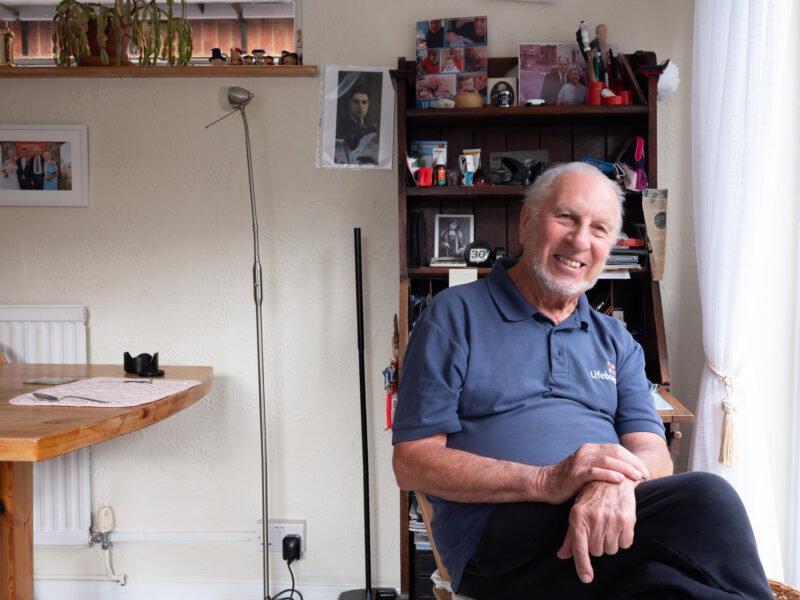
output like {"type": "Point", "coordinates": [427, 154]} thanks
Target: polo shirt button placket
{"type": "Point", "coordinates": [559, 355]}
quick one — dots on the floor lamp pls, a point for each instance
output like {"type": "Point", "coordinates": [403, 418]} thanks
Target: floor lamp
{"type": "Point", "coordinates": [368, 593]}
{"type": "Point", "coordinates": [239, 98]}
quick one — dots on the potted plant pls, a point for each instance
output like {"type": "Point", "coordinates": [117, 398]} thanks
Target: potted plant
{"type": "Point", "coordinates": [92, 33]}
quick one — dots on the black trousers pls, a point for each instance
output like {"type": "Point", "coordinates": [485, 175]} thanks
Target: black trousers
{"type": "Point", "coordinates": [692, 540]}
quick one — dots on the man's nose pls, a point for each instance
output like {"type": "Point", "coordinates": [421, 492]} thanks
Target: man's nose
{"type": "Point", "coordinates": [580, 237]}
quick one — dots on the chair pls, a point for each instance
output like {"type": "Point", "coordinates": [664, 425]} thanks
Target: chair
{"type": "Point", "coordinates": [441, 578]}
{"type": "Point", "coordinates": [783, 591]}
{"type": "Point", "coordinates": [3, 359]}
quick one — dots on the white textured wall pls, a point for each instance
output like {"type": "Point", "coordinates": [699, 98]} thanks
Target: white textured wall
{"type": "Point", "coordinates": [162, 258]}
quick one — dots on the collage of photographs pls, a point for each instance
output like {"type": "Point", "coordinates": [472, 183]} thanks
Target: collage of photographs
{"type": "Point", "coordinates": [451, 58]}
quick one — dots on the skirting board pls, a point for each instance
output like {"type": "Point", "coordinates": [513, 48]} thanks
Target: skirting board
{"type": "Point", "coordinates": [70, 589]}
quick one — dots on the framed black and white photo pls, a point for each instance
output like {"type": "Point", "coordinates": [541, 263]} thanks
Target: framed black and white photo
{"type": "Point", "coordinates": [453, 233]}
{"type": "Point", "coordinates": [502, 91]}
{"type": "Point", "coordinates": [43, 165]}
{"type": "Point", "coordinates": [357, 118]}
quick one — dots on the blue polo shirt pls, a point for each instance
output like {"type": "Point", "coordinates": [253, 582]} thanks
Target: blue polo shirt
{"type": "Point", "coordinates": [503, 381]}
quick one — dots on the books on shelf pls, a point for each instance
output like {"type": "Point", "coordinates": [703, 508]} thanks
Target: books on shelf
{"type": "Point", "coordinates": [448, 261]}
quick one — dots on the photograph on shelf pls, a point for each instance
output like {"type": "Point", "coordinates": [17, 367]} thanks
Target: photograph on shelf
{"type": "Point", "coordinates": [43, 165]}
{"type": "Point", "coordinates": [453, 233]}
{"type": "Point", "coordinates": [555, 73]}
{"type": "Point", "coordinates": [451, 58]}
{"type": "Point", "coordinates": [502, 91]}
{"type": "Point", "coordinates": [357, 118]}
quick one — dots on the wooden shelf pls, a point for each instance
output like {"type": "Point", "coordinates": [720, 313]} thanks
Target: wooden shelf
{"type": "Point", "coordinates": [516, 115]}
{"type": "Point", "coordinates": [466, 191]}
{"type": "Point", "coordinates": [112, 71]}
{"type": "Point", "coordinates": [442, 272]}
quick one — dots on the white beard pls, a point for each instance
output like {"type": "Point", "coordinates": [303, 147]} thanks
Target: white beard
{"type": "Point", "coordinates": [560, 287]}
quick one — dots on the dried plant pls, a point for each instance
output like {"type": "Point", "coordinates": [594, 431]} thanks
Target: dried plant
{"type": "Point", "coordinates": [153, 32]}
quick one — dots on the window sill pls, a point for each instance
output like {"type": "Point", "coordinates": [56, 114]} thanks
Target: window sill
{"type": "Point", "coordinates": [31, 72]}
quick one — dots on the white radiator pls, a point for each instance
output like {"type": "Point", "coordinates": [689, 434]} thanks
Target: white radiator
{"type": "Point", "coordinates": [62, 510]}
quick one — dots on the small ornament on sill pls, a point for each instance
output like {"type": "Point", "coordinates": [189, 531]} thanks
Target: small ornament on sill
{"type": "Point", "coordinates": [217, 57]}
{"type": "Point", "coordinates": [6, 47]}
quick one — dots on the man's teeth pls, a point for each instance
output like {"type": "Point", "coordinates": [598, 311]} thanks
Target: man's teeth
{"type": "Point", "coordinates": [570, 263]}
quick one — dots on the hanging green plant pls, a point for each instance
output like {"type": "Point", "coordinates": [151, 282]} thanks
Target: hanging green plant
{"type": "Point", "coordinates": [94, 33]}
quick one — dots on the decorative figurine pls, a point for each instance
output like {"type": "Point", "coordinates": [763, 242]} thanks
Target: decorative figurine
{"type": "Point", "coordinates": [6, 47]}
{"type": "Point", "coordinates": [289, 58]}
{"type": "Point", "coordinates": [217, 57]}
{"type": "Point", "coordinates": [236, 56]}
{"type": "Point", "coordinates": [258, 56]}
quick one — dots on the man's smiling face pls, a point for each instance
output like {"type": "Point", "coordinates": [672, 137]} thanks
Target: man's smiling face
{"type": "Point", "coordinates": [569, 239]}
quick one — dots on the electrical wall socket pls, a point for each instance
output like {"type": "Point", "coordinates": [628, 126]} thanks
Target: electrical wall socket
{"type": "Point", "coordinates": [277, 529]}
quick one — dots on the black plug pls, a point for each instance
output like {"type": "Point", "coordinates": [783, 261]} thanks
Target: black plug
{"type": "Point", "coordinates": [291, 548]}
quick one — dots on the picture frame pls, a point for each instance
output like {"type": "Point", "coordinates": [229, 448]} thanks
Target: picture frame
{"type": "Point", "coordinates": [452, 234]}
{"type": "Point", "coordinates": [54, 170]}
{"type": "Point", "coordinates": [356, 128]}
{"type": "Point", "coordinates": [498, 84]}
{"type": "Point", "coordinates": [544, 71]}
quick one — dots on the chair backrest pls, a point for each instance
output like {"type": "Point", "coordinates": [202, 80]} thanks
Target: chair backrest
{"type": "Point", "coordinates": [3, 359]}
{"type": "Point", "coordinates": [426, 509]}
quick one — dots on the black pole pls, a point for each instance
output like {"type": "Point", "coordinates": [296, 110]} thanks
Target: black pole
{"type": "Point", "coordinates": [363, 390]}
{"type": "Point", "coordinates": [366, 593]}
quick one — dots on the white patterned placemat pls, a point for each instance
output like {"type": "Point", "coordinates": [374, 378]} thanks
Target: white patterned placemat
{"type": "Point", "coordinates": [108, 392]}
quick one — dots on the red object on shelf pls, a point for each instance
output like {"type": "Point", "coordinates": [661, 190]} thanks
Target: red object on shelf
{"type": "Point", "coordinates": [631, 243]}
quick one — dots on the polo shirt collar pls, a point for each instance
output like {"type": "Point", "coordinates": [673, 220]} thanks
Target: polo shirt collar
{"type": "Point", "coordinates": [512, 304]}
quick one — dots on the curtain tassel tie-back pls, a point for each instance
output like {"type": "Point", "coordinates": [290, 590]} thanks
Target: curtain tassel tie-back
{"type": "Point", "coordinates": [727, 448]}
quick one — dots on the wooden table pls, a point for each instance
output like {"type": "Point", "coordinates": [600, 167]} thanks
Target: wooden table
{"type": "Point", "coordinates": [33, 433]}
{"type": "Point", "coordinates": [673, 419]}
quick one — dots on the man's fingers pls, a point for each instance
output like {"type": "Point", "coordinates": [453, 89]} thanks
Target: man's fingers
{"type": "Point", "coordinates": [583, 564]}
{"type": "Point", "coordinates": [575, 546]}
{"type": "Point", "coordinates": [626, 537]}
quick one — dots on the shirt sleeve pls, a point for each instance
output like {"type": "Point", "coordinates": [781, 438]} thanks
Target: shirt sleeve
{"type": "Point", "coordinates": [430, 383]}
{"type": "Point", "coordinates": [636, 410]}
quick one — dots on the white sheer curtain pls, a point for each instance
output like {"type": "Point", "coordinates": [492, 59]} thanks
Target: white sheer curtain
{"type": "Point", "coordinates": [738, 46]}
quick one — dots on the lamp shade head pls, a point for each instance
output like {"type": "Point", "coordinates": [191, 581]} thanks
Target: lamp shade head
{"type": "Point", "coordinates": [238, 96]}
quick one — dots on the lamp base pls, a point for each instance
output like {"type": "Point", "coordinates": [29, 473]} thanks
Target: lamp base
{"type": "Point", "coordinates": [375, 594]}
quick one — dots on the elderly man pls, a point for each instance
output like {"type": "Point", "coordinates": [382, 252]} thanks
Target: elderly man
{"type": "Point", "coordinates": [526, 417]}
{"type": "Point", "coordinates": [555, 80]}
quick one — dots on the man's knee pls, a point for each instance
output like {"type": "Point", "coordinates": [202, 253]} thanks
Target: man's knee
{"type": "Point", "coordinates": [693, 502]}
{"type": "Point", "coordinates": [710, 493]}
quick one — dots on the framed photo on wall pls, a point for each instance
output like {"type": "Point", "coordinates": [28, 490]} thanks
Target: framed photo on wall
{"type": "Point", "coordinates": [357, 118]}
{"type": "Point", "coordinates": [43, 165]}
{"type": "Point", "coordinates": [453, 234]}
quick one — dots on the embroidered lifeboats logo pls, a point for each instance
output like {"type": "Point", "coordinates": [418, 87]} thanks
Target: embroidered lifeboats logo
{"type": "Point", "coordinates": [609, 375]}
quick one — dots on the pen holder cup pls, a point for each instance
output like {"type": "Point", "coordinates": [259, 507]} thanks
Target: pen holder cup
{"type": "Point", "coordinates": [595, 89]}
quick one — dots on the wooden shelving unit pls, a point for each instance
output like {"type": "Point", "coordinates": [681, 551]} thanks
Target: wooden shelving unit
{"type": "Point", "coordinates": [568, 133]}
